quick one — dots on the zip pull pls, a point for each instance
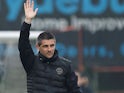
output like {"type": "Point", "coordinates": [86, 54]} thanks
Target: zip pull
{"type": "Point", "coordinates": [48, 62]}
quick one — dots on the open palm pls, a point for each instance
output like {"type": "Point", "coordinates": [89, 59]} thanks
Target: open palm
{"type": "Point", "coordinates": [29, 9]}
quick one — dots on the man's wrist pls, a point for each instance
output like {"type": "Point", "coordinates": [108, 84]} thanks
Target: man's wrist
{"type": "Point", "coordinates": [28, 20]}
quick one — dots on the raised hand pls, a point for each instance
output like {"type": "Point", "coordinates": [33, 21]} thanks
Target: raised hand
{"type": "Point", "coordinates": [29, 10]}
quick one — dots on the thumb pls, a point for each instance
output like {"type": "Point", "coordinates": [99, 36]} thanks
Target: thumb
{"type": "Point", "coordinates": [36, 10]}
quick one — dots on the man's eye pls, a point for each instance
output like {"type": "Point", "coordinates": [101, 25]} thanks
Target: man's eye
{"type": "Point", "coordinates": [52, 45]}
{"type": "Point", "coordinates": [45, 46]}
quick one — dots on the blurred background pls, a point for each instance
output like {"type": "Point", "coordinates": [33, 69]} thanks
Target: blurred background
{"type": "Point", "coordinates": [88, 32]}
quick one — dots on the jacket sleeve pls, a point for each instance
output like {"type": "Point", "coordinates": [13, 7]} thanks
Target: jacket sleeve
{"type": "Point", "coordinates": [24, 46]}
{"type": "Point", "coordinates": [72, 81]}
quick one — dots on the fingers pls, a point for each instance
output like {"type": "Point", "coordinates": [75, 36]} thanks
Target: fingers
{"type": "Point", "coordinates": [24, 6]}
{"type": "Point", "coordinates": [32, 4]}
{"type": "Point", "coordinates": [29, 4]}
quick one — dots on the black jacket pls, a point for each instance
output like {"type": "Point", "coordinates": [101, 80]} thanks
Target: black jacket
{"type": "Point", "coordinates": [53, 75]}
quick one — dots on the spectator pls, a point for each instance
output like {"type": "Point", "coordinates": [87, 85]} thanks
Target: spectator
{"type": "Point", "coordinates": [83, 83]}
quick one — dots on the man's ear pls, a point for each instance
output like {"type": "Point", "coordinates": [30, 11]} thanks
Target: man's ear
{"type": "Point", "coordinates": [37, 46]}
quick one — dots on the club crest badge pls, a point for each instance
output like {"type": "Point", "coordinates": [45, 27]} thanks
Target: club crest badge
{"type": "Point", "coordinates": [59, 71]}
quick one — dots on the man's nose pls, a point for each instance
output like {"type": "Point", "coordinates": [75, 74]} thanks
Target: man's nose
{"type": "Point", "coordinates": [49, 48]}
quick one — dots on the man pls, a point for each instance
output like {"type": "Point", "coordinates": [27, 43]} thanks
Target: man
{"type": "Point", "coordinates": [46, 71]}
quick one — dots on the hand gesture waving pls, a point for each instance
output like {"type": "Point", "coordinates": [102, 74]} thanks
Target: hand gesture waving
{"type": "Point", "coordinates": [29, 10]}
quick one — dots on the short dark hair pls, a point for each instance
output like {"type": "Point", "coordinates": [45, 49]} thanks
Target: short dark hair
{"type": "Point", "coordinates": [45, 35]}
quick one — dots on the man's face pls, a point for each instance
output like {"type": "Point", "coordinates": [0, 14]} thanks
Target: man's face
{"type": "Point", "coordinates": [47, 47]}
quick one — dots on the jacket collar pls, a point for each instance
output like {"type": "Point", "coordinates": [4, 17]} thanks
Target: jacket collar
{"type": "Point", "coordinates": [44, 59]}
